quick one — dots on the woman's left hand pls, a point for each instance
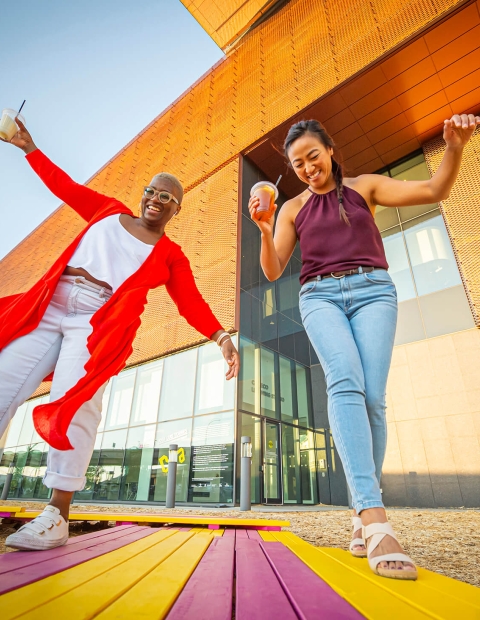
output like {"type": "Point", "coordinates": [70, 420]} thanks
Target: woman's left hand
{"type": "Point", "coordinates": [232, 358]}
{"type": "Point", "coordinates": [458, 130]}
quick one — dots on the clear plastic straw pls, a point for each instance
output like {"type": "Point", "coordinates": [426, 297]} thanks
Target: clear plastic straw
{"type": "Point", "coordinates": [278, 180]}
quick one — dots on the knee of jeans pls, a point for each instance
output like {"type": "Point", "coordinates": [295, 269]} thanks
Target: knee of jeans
{"type": "Point", "coordinates": [375, 404]}
{"type": "Point", "coordinates": [345, 384]}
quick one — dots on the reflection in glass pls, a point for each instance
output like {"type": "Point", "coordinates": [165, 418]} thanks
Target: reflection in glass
{"type": "Point", "coordinates": [214, 393]}
{"type": "Point", "coordinates": [121, 399]}
{"type": "Point", "coordinates": [286, 392]}
{"type": "Point", "coordinates": [147, 393]}
{"type": "Point", "coordinates": [399, 267]}
{"type": "Point", "coordinates": [27, 427]}
{"type": "Point", "coordinates": [302, 396]}
{"type": "Point", "coordinates": [110, 466]}
{"type": "Point", "coordinates": [178, 386]}
{"type": "Point", "coordinates": [271, 463]}
{"type": "Point", "coordinates": [291, 464]}
{"type": "Point", "coordinates": [180, 433]}
{"type": "Point", "coordinates": [15, 427]}
{"type": "Point", "coordinates": [250, 426]}
{"type": "Point", "coordinates": [137, 467]}
{"type": "Point", "coordinates": [105, 403]}
{"type": "Point", "coordinates": [431, 254]}
{"type": "Point", "coordinates": [249, 376]}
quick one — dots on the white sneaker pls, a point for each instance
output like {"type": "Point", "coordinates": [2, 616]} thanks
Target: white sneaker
{"type": "Point", "coordinates": [46, 531]}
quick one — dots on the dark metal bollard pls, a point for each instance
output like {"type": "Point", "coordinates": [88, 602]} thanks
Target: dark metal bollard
{"type": "Point", "coordinates": [172, 475]}
{"type": "Point", "coordinates": [8, 482]}
{"type": "Point", "coordinates": [246, 474]}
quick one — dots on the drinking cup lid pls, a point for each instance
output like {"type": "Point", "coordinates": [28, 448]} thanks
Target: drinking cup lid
{"type": "Point", "coordinates": [262, 184]}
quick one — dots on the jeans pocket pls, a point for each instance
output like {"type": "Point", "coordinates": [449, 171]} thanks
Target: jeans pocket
{"type": "Point", "coordinates": [378, 276]}
{"type": "Point", "coordinates": [88, 303]}
{"type": "Point", "coordinates": [307, 287]}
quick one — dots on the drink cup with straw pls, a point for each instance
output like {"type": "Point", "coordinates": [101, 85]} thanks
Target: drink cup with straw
{"type": "Point", "coordinates": [8, 126]}
{"type": "Point", "coordinates": [267, 193]}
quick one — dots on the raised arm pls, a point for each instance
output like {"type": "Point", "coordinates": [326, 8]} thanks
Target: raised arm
{"type": "Point", "coordinates": [275, 251]}
{"type": "Point", "coordinates": [383, 190]}
{"type": "Point", "coordinates": [183, 290]}
{"type": "Point", "coordinates": [85, 201]}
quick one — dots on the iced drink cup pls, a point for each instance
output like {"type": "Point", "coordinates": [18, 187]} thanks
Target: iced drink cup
{"type": "Point", "coordinates": [267, 193]}
{"type": "Point", "coordinates": [8, 126]}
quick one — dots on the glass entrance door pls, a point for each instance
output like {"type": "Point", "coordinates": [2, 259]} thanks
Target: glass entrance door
{"type": "Point", "coordinates": [271, 463]}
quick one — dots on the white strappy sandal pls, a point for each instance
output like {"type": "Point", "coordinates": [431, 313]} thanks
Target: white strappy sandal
{"type": "Point", "coordinates": [357, 553]}
{"type": "Point", "coordinates": [377, 532]}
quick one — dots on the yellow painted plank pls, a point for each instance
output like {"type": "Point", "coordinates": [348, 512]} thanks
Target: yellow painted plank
{"type": "Point", "coordinates": [93, 596]}
{"type": "Point", "coordinates": [11, 509]}
{"type": "Point", "coordinates": [217, 533]}
{"type": "Point", "coordinates": [153, 518]}
{"type": "Point", "coordinates": [18, 602]}
{"type": "Point", "coordinates": [367, 596]}
{"type": "Point", "coordinates": [146, 600]}
{"type": "Point", "coordinates": [266, 535]}
{"type": "Point", "coordinates": [436, 594]}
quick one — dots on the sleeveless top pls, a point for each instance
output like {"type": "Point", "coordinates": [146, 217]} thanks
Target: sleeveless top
{"type": "Point", "coordinates": [328, 244]}
{"type": "Point", "coordinates": [109, 252]}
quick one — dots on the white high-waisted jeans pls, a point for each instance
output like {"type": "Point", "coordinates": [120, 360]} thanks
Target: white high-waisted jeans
{"type": "Point", "coordinates": [58, 343]}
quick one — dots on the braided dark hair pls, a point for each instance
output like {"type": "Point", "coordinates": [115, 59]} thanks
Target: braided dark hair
{"type": "Point", "coordinates": [314, 128]}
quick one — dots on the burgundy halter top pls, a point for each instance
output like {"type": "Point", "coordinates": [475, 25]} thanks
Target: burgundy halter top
{"type": "Point", "coordinates": [328, 244]}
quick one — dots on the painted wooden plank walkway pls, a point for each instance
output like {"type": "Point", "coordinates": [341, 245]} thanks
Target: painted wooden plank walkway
{"type": "Point", "coordinates": [194, 572]}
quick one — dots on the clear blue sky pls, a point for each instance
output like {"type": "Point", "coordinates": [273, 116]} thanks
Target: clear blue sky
{"type": "Point", "coordinates": [94, 73]}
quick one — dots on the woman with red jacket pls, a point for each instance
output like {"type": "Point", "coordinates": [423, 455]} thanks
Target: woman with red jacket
{"type": "Point", "coordinates": [80, 319]}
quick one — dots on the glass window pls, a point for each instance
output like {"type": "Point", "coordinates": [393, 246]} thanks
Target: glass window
{"type": "Point", "coordinates": [286, 390]}
{"type": "Point", "coordinates": [322, 467]}
{"type": "Point", "coordinates": [178, 385]}
{"type": "Point", "coordinates": [267, 379]}
{"type": "Point", "coordinates": [15, 427]}
{"type": "Point", "coordinates": [302, 396]}
{"type": "Point", "coordinates": [211, 477]}
{"type": "Point", "coordinates": [214, 393]}
{"type": "Point", "coordinates": [105, 403]}
{"type": "Point", "coordinates": [176, 432]}
{"type": "Point", "coordinates": [147, 393]}
{"type": "Point", "coordinates": [121, 399]}
{"type": "Point", "coordinates": [431, 254]}
{"type": "Point", "coordinates": [399, 266]}
{"type": "Point", "coordinates": [28, 429]}
{"type": "Point", "coordinates": [386, 217]}
{"type": "Point", "coordinates": [291, 464]}
{"type": "Point", "coordinates": [137, 468]}
{"type": "Point", "coordinates": [110, 466]}
{"type": "Point", "coordinates": [249, 376]}
{"type": "Point", "coordinates": [250, 426]}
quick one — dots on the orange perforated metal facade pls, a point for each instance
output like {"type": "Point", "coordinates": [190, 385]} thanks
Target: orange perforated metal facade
{"type": "Point", "coordinates": [462, 215]}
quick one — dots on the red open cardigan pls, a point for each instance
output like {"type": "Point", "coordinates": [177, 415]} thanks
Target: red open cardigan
{"type": "Point", "coordinates": [114, 324]}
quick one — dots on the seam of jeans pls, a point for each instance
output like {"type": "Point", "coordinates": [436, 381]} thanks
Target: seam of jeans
{"type": "Point", "coordinates": [29, 374]}
{"type": "Point", "coordinates": [346, 455]}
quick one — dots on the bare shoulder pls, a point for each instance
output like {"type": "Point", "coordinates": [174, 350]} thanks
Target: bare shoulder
{"type": "Point", "coordinates": [363, 185]}
{"type": "Point", "coordinates": [291, 207]}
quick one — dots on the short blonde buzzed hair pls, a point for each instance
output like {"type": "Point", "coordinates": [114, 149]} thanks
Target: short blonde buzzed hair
{"type": "Point", "coordinates": [173, 180]}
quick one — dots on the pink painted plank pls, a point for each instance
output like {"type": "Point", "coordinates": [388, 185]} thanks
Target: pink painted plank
{"type": "Point", "coordinates": [20, 559]}
{"type": "Point", "coordinates": [241, 534]}
{"type": "Point", "coordinates": [229, 533]}
{"type": "Point", "coordinates": [213, 526]}
{"type": "Point", "coordinates": [310, 596]}
{"type": "Point", "coordinates": [23, 576]}
{"type": "Point", "coordinates": [208, 593]}
{"type": "Point", "coordinates": [259, 595]}
{"type": "Point", "coordinates": [254, 535]}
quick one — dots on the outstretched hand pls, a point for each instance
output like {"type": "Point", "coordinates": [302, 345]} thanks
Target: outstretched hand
{"type": "Point", "coordinates": [232, 358]}
{"type": "Point", "coordinates": [22, 139]}
{"type": "Point", "coordinates": [458, 130]}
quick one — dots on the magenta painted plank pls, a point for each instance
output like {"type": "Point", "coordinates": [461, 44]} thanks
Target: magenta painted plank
{"type": "Point", "coordinates": [208, 592]}
{"type": "Point", "coordinates": [259, 595]}
{"type": "Point", "coordinates": [229, 533]}
{"type": "Point", "coordinates": [254, 535]}
{"type": "Point", "coordinates": [241, 534]}
{"type": "Point", "coordinates": [310, 596]}
{"type": "Point", "coordinates": [28, 574]}
{"type": "Point", "coordinates": [213, 526]}
{"type": "Point", "coordinates": [20, 559]}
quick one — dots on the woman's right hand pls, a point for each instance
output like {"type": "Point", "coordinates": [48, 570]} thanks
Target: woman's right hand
{"type": "Point", "coordinates": [22, 139]}
{"type": "Point", "coordinates": [266, 225]}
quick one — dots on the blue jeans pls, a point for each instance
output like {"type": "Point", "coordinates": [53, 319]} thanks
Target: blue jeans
{"type": "Point", "coordinates": [351, 324]}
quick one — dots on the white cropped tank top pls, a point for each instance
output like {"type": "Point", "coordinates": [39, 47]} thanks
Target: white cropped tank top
{"type": "Point", "coordinates": [109, 252]}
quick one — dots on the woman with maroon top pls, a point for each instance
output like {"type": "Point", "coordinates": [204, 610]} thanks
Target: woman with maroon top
{"type": "Point", "coordinates": [80, 320]}
{"type": "Point", "coordinates": [348, 305]}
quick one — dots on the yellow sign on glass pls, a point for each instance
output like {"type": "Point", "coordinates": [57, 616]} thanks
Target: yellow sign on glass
{"type": "Point", "coordinates": [163, 460]}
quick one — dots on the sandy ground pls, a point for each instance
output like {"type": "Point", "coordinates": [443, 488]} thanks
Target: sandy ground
{"type": "Point", "coordinates": [447, 542]}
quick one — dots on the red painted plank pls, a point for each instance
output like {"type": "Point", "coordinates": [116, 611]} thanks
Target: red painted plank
{"type": "Point", "coordinates": [259, 595]}
{"type": "Point", "coordinates": [208, 593]}
{"type": "Point", "coordinates": [254, 535]}
{"type": "Point", "coordinates": [28, 574]}
{"type": "Point", "coordinates": [310, 596]}
{"type": "Point", "coordinates": [20, 559]}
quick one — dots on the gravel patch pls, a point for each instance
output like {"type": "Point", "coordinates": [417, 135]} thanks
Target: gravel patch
{"type": "Point", "coordinates": [447, 542]}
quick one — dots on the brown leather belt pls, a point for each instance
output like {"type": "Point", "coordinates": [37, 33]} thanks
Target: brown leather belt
{"type": "Point", "coordinates": [342, 274]}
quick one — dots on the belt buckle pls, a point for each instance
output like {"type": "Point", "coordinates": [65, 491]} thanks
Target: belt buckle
{"type": "Point", "coordinates": [336, 277]}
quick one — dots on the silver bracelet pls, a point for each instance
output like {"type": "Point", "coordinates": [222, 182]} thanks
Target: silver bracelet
{"type": "Point", "coordinates": [224, 340]}
{"type": "Point", "coordinates": [222, 335]}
